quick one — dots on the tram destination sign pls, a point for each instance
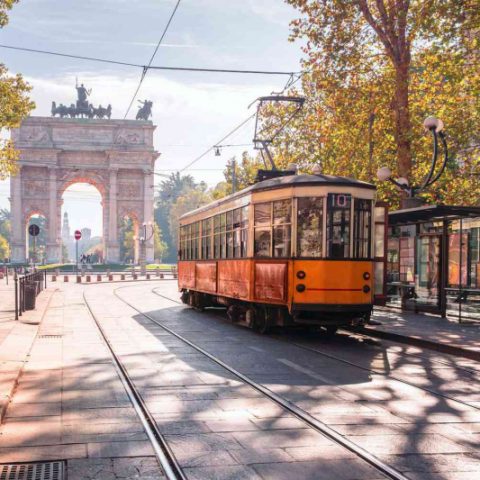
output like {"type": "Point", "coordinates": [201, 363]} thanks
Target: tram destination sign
{"type": "Point", "coordinates": [339, 200]}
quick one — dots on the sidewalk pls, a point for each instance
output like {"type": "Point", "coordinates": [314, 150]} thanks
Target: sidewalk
{"type": "Point", "coordinates": [69, 402]}
{"type": "Point", "coordinates": [427, 331]}
{"type": "Point", "coordinates": [16, 339]}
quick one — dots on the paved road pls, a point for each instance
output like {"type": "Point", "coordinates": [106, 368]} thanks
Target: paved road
{"type": "Point", "coordinates": [71, 404]}
{"type": "Point", "coordinates": [416, 431]}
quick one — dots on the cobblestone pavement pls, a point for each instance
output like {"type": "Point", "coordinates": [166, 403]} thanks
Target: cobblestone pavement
{"type": "Point", "coordinates": [431, 328]}
{"type": "Point", "coordinates": [418, 432]}
{"type": "Point", "coordinates": [70, 403]}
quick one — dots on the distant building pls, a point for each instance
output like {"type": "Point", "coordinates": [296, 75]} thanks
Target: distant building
{"type": "Point", "coordinates": [86, 234]}
{"type": "Point", "coordinates": [65, 229]}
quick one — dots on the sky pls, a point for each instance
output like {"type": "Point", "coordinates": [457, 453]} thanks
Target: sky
{"type": "Point", "coordinates": [192, 111]}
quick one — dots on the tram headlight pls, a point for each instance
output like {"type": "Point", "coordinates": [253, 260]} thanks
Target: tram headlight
{"type": "Point", "coordinates": [366, 289]}
{"type": "Point", "coordinates": [301, 274]}
{"type": "Point", "coordinates": [366, 276]}
{"type": "Point", "coordinates": [300, 287]}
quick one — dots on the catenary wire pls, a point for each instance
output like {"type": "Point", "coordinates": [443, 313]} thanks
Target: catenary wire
{"type": "Point", "coordinates": [145, 69]}
{"type": "Point", "coordinates": [250, 117]}
{"type": "Point", "coordinates": [152, 67]}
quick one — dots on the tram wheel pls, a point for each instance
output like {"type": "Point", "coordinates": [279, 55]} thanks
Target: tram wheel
{"type": "Point", "coordinates": [261, 323]}
{"type": "Point", "coordinates": [330, 331]}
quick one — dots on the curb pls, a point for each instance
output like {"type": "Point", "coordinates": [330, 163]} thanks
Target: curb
{"type": "Point", "coordinates": [420, 342]}
{"type": "Point", "coordinates": [5, 402]}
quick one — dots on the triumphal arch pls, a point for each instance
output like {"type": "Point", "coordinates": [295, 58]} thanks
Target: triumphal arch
{"type": "Point", "coordinates": [115, 156]}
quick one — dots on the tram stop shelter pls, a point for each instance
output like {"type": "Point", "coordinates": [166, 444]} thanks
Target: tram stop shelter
{"type": "Point", "coordinates": [433, 260]}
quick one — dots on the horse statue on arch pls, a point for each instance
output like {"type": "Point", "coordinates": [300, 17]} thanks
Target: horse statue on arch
{"type": "Point", "coordinates": [145, 111]}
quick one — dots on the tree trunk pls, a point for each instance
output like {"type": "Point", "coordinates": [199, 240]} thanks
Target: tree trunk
{"type": "Point", "coordinates": [402, 120]}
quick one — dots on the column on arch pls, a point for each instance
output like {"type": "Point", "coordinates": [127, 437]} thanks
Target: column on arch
{"type": "Point", "coordinates": [18, 253]}
{"type": "Point", "coordinates": [111, 242]}
{"type": "Point", "coordinates": [148, 199]}
{"type": "Point", "coordinates": [54, 251]}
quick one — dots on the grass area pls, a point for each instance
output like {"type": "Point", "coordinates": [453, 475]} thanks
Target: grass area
{"type": "Point", "coordinates": [114, 267]}
{"type": "Point", "coordinates": [51, 266]}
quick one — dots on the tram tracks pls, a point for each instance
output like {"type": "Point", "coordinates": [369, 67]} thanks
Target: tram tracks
{"type": "Point", "coordinates": [361, 367]}
{"type": "Point", "coordinates": [290, 407]}
{"type": "Point", "coordinates": [164, 454]}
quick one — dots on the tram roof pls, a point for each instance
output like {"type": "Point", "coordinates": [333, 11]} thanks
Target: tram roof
{"type": "Point", "coordinates": [287, 181]}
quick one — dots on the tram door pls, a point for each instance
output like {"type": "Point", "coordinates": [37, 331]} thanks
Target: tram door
{"type": "Point", "coordinates": [380, 252]}
{"type": "Point", "coordinates": [428, 277]}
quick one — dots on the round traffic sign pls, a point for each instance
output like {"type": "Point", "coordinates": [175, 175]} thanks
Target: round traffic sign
{"type": "Point", "coordinates": [78, 234]}
{"type": "Point", "coordinates": [33, 230]}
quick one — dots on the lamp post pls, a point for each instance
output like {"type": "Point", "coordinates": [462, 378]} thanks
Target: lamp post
{"type": "Point", "coordinates": [145, 237]}
{"type": "Point", "coordinates": [435, 127]}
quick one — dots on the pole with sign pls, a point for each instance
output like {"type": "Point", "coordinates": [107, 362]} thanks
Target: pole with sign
{"type": "Point", "coordinates": [78, 236]}
{"type": "Point", "coordinates": [34, 230]}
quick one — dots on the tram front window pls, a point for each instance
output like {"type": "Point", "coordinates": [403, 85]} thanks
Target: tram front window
{"type": "Point", "coordinates": [338, 225]}
{"type": "Point", "coordinates": [310, 227]}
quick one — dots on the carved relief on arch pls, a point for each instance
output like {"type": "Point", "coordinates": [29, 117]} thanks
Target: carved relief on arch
{"type": "Point", "coordinates": [130, 212]}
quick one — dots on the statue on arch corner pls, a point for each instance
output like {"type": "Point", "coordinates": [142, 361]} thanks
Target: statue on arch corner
{"type": "Point", "coordinates": [145, 111]}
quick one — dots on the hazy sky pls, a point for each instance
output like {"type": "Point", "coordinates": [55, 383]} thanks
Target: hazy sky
{"type": "Point", "coordinates": [192, 111]}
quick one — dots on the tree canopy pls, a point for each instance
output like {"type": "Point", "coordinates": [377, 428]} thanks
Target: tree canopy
{"type": "Point", "coordinates": [374, 71]}
{"type": "Point", "coordinates": [14, 105]}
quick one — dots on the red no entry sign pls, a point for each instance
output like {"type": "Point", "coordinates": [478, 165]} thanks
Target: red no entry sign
{"type": "Point", "coordinates": [78, 234]}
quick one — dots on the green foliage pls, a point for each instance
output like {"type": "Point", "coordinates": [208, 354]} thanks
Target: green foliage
{"type": "Point", "coordinates": [4, 248]}
{"type": "Point", "coordinates": [14, 105]}
{"type": "Point", "coordinates": [159, 246]}
{"type": "Point", "coordinates": [127, 243]}
{"type": "Point", "coordinates": [170, 195]}
{"type": "Point", "coordinates": [190, 200]}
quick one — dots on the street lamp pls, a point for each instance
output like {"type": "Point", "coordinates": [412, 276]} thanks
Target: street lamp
{"type": "Point", "coordinates": [148, 231]}
{"type": "Point", "coordinates": [435, 127]}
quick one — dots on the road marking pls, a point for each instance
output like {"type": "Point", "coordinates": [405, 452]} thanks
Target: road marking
{"type": "Point", "coordinates": [306, 371]}
{"type": "Point", "coordinates": [257, 349]}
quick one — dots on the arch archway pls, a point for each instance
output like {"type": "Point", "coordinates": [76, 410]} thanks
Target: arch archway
{"type": "Point", "coordinates": [82, 208]}
{"type": "Point", "coordinates": [115, 156]}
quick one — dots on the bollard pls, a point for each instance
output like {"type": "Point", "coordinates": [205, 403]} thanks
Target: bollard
{"type": "Point", "coordinates": [157, 272]}
{"type": "Point", "coordinates": [99, 278]}
{"type": "Point", "coordinates": [79, 279]}
{"type": "Point", "coordinates": [88, 278]}
{"type": "Point", "coordinates": [110, 277]}
{"type": "Point", "coordinates": [122, 276]}
{"type": "Point", "coordinates": [65, 278]}
{"type": "Point", "coordinates": [161, 275]}
{"type": "Point", "coordinates": [54, 278]}
{"type": "Point", "coordinates": [148, 276]}
{"type": "Point", "coordinates": [134, 276]}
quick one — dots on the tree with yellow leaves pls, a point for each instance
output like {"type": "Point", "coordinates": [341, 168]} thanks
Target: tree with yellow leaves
{"type": "Point", "coordinates": [14, 103]}
{"type": "Point", "coordinates": [374, 70]}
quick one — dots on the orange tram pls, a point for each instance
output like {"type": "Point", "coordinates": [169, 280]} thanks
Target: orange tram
{"type": "Point", "coordinates": [290, 250]}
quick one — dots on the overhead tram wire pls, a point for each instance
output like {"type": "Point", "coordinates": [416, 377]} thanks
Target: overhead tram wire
{"type": "Point", "coordinates": [151, 67]}
{"type": "Point", "coordinates": [238, 127]}
{"type": "Point", "coordinates": [145, 69]}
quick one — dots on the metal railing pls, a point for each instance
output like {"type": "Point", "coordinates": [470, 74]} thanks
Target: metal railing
{"type": "Point", "coordinates": [27, 288]}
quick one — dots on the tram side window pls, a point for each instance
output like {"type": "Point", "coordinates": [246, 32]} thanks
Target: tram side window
{"type": "Point", "coordinates": [181, 244]}
{"type": "Point", "coordinates": [273, 218]}
{"type": "Point", "coordinates": [310, 227]}
{"type": "Point", "coordinates": [362, 228]}
{"type": "Point", "coordinates": [282, 218]}
{"type": "Point", "coordinates": [338, 225]}
{"type": "Point", "coordinates": [195, 237]}
{"type": "Point", "coordinates": [207, 239]}
{"type": "Point", "coordinates": [263, 229]}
